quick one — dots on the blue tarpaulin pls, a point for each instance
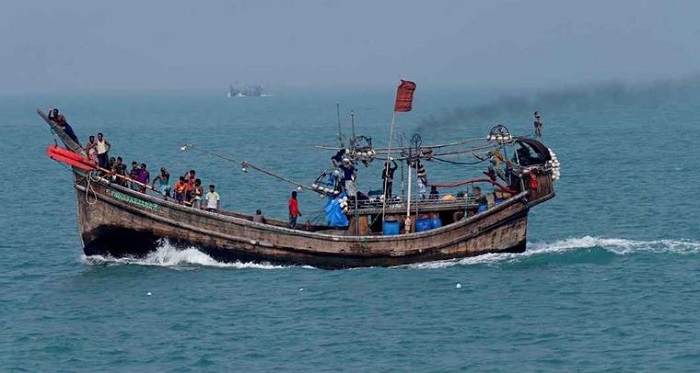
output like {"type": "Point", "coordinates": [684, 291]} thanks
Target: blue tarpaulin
{"type": "Point", "coordinates": [335, 216]}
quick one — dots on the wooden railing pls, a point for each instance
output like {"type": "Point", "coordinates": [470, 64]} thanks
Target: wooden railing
{"type": "Point", "coordinates": [544, 191]}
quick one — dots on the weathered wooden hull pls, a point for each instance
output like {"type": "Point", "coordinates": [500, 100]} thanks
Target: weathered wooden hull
{"type": "Point", "coordinates": [120, 222]}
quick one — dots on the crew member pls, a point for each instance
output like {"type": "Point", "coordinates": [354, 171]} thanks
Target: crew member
{"type": "Point", "coordinates": [349, 172]}
{"type": "Point", "coordinates": [538, 124]}
{"type": "Point", "coordinates": [388, 177]}
{"type": "Point", "coordinates": [60, 120]}
{"type": "Point", "coordinates": [294, 212]}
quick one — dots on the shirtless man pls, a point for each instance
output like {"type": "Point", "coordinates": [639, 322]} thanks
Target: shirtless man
{"type": "Point", "coordinates": [60, 120]}
{"type": "Point", "coordinates": [538, 124]}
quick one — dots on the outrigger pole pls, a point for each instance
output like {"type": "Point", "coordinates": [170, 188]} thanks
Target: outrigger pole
{"type": "Point", "coordinates": [245, 165]}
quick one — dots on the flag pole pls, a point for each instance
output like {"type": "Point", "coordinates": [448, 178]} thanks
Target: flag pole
{"type": "Point", "coordinates": [404, 99]}
{"type": "Point", "coordinates": [386, 164]}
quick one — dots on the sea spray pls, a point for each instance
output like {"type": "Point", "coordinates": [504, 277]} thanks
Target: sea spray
{"type": "Point", "coordinates": [166, 255]}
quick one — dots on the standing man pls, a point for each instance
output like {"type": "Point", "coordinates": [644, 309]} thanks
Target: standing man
{"type": "Point", "coordinates": [422, 177]}
{"type": "Point", "coordinates": [293, 210]}
{"type": "Point", "coordinates": [144, 178]}
{"type": "Point", "coordinates": [189, 178]}
{"type": "Point", "coordinates": [163, 180]}
{"type": "Point", "coordinates": [120, 167]}
{"type": "Point", "coordinates": [103, 147]}
{"type": "Point", "coordinates": [134, 175]}
{"type": "Point", "coordinates": [179, 190]}
{"type": "Point", "coordinates": [388, 177]}
{"type": "Point", "coordinates": [91, 149]}
{"type": "Point", "coordinates": [197, 194]}
{"type": "Point", "coordinates": [538, 124]}
{"type": "Point", "coordinates": [212, 198]}
{"type": "Point", "coordinates": [349, 177]}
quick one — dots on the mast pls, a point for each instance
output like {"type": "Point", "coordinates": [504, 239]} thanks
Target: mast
{"type": "Point", "coordinates": [386, 165]}
{"type": "Point", "coordinates": [340, 133]}
{"type": "Point", "coordinates": [408, 203]}
{"type": "Point", "coordinates": [403, 186]}
{"type": "Point", "coordinates": [352, 122]}
{"type": "Point", "coordinates": [352, 149]}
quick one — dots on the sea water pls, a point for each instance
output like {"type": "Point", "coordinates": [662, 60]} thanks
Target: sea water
{"type": "Point", "coordinates": [610, 281]}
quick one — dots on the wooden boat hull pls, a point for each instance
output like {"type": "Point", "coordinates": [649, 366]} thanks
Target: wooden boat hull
{"type": "Point", "coordinates": [117, 221]}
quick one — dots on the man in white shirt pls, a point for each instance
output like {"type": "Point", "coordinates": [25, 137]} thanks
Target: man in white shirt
{"type": "Point", "coordinates": [102, 147]}
{"type": "Point", "coordinates": [213, 200]}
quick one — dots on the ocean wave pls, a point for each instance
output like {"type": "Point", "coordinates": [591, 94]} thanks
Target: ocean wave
{"type": "Point", "coordinates": [617, 246]}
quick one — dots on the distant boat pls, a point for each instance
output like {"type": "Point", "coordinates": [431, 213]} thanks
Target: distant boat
{"type": "Point", "coordinates": [245, 91]}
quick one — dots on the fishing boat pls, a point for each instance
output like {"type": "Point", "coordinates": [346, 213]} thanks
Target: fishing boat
{"type": "Point", "coordinates": [485, 215]}
{"type": "Point", "coordinates": [245, 91]}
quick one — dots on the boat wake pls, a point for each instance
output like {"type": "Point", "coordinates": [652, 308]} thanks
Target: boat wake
{"type": "Point", "coordinates": [168, 256]}
{"type": "Point", "coordinates": [616, 246]}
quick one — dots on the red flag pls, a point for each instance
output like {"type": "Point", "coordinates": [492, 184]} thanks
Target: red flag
{"type": "Point", "coordinates": [404, 96]}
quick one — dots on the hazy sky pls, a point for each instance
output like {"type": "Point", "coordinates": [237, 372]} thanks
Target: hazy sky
{"type": "Point", "coordinates": [98, 45]}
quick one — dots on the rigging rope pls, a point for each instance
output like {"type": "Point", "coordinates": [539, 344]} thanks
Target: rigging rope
{"type": "Point", "coordinates": [460, 163]}
{"type": "Point", "coordinates": [89, 188]}
{"type": "Point", "coordinates": [473, 181]}
{"type": "Point", "coordinates": [246, 165]}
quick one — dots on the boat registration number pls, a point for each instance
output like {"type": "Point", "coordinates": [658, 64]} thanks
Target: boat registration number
{"type": "Point", "coordinates": [132, 200]}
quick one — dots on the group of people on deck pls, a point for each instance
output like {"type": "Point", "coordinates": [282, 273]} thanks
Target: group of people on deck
{"type": "Point", "coordinates": [344, 178]}
{"type": "Point", "coordinates": [187, 191]}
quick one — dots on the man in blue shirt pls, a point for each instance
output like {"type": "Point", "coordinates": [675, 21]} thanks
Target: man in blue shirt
{"type": "Point", "coordinates": [349, 177]}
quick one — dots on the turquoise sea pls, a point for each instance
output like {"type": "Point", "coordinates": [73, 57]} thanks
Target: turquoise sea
{"type": "Point", "coordinates": [610, 281]}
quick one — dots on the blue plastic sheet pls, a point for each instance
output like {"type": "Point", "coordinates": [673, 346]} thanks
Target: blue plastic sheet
{"type": "Point", "coordinates": [335, 216]}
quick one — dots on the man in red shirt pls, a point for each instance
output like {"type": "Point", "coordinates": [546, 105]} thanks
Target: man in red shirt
{"type": "Point", "coordinates": [189, 179]}
{"type": "Point", "coordinates": [293, 210]}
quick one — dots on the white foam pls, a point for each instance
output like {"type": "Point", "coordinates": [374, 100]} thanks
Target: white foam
{"type": "Point", "coordinates": [618, 246]}
{"type": "Point", "coordinates": [167, 255]}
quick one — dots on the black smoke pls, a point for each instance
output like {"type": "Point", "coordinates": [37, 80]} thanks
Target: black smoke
{"type": "Point", "coordinates": [579, 97]}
